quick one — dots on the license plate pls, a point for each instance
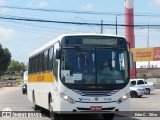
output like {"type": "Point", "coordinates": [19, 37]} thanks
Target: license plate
{"type": "Point", "coordinates": [96, 108]}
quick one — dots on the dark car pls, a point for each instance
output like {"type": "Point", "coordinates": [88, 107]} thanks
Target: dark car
{"type": "Point", "coordinates": [24, 88]}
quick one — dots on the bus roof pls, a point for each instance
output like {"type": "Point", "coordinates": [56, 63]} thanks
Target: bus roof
{"type": "Point", "coordinates": [63, 35]}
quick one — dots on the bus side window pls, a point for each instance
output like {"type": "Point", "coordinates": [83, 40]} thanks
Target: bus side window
{"type": "Point", "coordinates": [55, 68]}
{"type": "Point", "coordinates": [51, 58]}
{"type": "Point", "coordinates": [42, 64]}
{"type": "Point", "coordinates": [45, 60]}
{"type": "Point", "coordinates": [34, 64]}
{"type": "Point", "coordinates": [37, 63]}
{"type": "Point", "coordinates": [30, 66]}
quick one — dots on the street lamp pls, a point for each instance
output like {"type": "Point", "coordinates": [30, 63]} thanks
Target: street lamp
{"type": "Point", "coordinates": [87, 24]}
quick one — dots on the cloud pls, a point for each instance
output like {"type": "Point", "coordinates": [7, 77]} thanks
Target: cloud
{"type": "Point", "coordinates": [2, 2]}
{"type": "Point", "coordinates": [87, 6]}
{"type": "Point", "coordinates": [41, 4]}
{"type": "Point", "coordinates": [29, 5]}
{"type": "Point", "coordinates": [6, 10]}
{"type": "Point", "coordinates": [157, 2]}
{"type": "Point", "coordinates": [141, 37]}
{"type": "Point", "coordinates": [6, 34]}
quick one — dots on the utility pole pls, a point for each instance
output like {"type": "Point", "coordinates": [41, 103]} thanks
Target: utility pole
{"type": "Point", "coordinates": [116, 25]}
{"type": "Point", "coordinates": [148, 36]}
{"type": "Point", "coordinates": [148, 44]}
{"type": "Point", "coordinates": [101, 26]}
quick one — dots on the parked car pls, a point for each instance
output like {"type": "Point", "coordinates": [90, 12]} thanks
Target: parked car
{"type": "Point", "coordinates": [143, 83]}
{"type": "Point", "coordinates": [24, 88]}
{"type": "Point", "coordinates": [136, 91]}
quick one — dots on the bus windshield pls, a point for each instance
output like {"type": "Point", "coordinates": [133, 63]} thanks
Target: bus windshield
{"type": "Point", "coordinates": [94, 66]}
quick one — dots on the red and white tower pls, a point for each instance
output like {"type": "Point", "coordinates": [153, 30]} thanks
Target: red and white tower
{"type": "Point", "coordinates": [129, 27]}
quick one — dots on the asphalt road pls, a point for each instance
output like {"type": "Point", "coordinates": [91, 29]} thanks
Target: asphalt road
{"type": "Point", "coordinates": [13, 98]}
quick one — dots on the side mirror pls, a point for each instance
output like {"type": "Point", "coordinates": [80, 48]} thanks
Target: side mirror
{"type": "Point", "coordinates": [131, 60]}
{"type": "Point", "coordinates": [58, 54]}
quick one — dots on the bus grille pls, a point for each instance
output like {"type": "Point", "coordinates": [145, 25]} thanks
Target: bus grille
{"type": "Point", "coordinates": [95, 93]}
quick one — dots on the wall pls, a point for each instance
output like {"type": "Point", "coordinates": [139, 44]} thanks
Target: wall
{"type": "Point", "coordinates": [148, 72]}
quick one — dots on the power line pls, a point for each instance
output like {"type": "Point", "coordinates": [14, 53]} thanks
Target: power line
{"type": "Point", "coordinates": [73, 23]}
{"type": "Point", "coordinates": [88, 24]}
{"type": "Point", "coordinates": [82, 12]}
{"type": "Point", "coordinates": [63, 11]}
{"type": "Point", "coordinates": [31, 27]}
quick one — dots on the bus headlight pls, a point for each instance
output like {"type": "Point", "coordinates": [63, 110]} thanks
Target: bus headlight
{"type": "Point", "coordinates": [67, 98]}
{"type": "Point", "coordinates": [123, 98]}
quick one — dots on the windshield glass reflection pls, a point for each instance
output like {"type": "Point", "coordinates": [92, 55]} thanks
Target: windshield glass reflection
{"type": "Point", "coordinates": [96, 66]}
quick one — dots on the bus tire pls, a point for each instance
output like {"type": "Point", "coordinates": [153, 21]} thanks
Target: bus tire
{"type": "Point", "coordinates": [53, 116]}
{"type": "Point", "coordinates": [51, 113]}
{"type": "Point", "coordinates": [35, 107]}
{"type": "Point", "coordinates": [108, 116]}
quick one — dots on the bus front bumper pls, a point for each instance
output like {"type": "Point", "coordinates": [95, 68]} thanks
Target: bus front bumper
{"type": "Point", "coordinates": [82, 107]}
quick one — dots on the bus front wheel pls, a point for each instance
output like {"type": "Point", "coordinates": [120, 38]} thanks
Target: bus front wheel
{"type": "Point", "coordinates": [53, 116]}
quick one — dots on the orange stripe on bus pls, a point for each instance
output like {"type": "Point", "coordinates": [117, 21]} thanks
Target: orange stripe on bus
{"type": "Point", "coordinates": [44, 77]}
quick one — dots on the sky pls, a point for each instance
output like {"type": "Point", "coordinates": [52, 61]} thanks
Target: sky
{"type": "Point", "coordinates": [23, 37]}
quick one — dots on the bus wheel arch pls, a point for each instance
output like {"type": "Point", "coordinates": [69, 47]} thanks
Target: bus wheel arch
{"type": "Point", "coordinates": [34, 100]}
{"type": "Point", "coordinates": [50, 106]}
{"type": "Point", "coordinates": [53, 116]}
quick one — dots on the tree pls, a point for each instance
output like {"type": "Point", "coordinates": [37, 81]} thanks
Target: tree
{"type": "Point", "coordinates": [5, 58]}
{"type": "Point", "coordinates": [16, 66]}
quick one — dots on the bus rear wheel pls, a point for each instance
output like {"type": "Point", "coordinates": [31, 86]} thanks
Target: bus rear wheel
{"type": "Point", "coordinates": [35, 107]}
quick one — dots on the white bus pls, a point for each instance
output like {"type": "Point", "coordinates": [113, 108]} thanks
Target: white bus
{"type": "Point", "coordinates": [78, 73]}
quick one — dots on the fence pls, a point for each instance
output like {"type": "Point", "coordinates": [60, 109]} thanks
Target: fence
{"type": "Point", "coordinates": [9, 83]}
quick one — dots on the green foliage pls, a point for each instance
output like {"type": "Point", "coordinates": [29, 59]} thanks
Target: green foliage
{"type": "Point", "coordinates": [5, 58]}
{"type": "Point", "coordinates": [16, 66]}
